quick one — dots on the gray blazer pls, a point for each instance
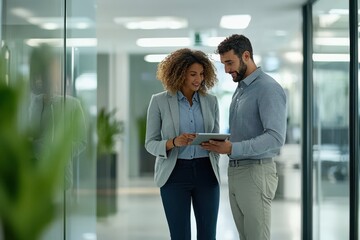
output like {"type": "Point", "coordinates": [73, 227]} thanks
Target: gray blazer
{"type": "Point", "coordinates": [163, 124]}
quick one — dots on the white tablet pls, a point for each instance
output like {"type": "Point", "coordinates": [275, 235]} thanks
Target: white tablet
{"type": "Point", "coordinates": [205, 137]}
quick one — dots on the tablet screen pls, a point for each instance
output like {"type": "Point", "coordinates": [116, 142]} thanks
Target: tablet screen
{"type": "Point", "coordinates": [205, 137]}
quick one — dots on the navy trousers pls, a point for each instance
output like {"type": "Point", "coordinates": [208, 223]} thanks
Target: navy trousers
{"type": "Point", "coordinates": [192, 181]}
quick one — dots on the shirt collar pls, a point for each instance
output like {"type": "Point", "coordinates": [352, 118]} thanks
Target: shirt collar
{"type": "Point", "coordinates": [252, 77]}
{"type": "Point", "coordinates": [181, 96]}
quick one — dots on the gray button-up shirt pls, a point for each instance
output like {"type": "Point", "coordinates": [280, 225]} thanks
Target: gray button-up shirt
{"type": "Point", "coordinates": [257, 117]}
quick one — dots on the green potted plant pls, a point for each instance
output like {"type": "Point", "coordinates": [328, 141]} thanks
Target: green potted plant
{"type": "Point", "coordinates": [108, 130]}
{"type": "Point", "coordinates": [29, 179]}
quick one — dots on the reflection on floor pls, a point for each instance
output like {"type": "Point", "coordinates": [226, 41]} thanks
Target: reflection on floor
{"type": "Point", "coordinates": [140, 216]}
{"type": "Point", "coordinates": [136, 213]}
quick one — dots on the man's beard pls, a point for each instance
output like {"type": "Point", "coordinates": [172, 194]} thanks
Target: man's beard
{"type": "Point", "coordinates": [241, 72]}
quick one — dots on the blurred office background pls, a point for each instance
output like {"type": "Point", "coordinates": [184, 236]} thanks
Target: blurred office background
{"type": "Point", "coordinates": [108, 53]}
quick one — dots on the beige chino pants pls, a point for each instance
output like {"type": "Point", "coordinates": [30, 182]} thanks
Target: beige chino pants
{"type": "Point", "coordinates": [252, 188]}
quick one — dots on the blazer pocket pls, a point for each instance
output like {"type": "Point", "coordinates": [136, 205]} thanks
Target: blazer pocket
{"type": "Point", "coordinates": [158, 163]}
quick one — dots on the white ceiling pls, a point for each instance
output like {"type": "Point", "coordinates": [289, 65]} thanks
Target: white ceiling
{"type": "Point", "coordinates": [268, 18]}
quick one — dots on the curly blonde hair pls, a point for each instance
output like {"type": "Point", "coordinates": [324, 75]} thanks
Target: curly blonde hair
{"type": "Point", "coordinates": [172, 70]}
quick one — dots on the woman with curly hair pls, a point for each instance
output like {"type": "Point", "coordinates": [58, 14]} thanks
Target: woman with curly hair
{"type": "Point", "coordinates": [186, 174]}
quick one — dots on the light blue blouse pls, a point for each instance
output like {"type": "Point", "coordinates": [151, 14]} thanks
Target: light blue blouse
{"type": "Point", "coordinates": [191, 121]}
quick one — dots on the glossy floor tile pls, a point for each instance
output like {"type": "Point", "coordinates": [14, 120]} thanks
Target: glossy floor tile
{"type": "Point", "coordinates": [136, 213]}
{"type": "Point", "coordinates": [140, 216]}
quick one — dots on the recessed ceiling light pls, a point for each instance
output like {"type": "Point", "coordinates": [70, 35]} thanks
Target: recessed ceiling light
{"type": "Point", "coordinates": [50, 26]}
{"type": "Point", "coordinates": [294, 57]}
{"type": "Point", "coordinates": [51, 23]}
{"type": "Point", "coordinates": [59, 42]}
{"type": "Point", "coordinates": [332, 41]}
{"type": "Point", "coordinates": [152, 22]}
{"type": "Point", "coordinates": [21, 12]}
{"type": "Point", "coordinates": [163, 42]}
{"type": "Point", "coordinates": [155, 57]}
{"type": "Point", "coordinates": [339, 11]}
{"type": "Point", "coordinates": [235, 21]}
{"type": "Point", "coordinates": [324, 57]}
{"type": "Point", "coordinates": [214, 41]}
{"type": "Point", "coordinates": [326, 20]}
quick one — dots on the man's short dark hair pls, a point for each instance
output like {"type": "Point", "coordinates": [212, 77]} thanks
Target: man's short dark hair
{"type": "Point", "coordinates": [238, 43]}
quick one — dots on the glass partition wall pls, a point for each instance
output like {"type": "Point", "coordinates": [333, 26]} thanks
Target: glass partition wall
{"type": "Point", "coordinates": [356, 65]}
{"type": "Point", "coordinates": [358, 4]}
{"type": "Point", "coordinates": [330, 128]}
{"type": "Point", "coordinates": [51, 46]}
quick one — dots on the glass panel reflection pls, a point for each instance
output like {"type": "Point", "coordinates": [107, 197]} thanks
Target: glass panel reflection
{"type": "Point", "coordinates": [358, 3]}
{"type": "Point", "coordinates": [81, 84]}
{"type": "Point", "coordinates": [331, 127]}
{"type": "Point", "coordinates": [43, 48]}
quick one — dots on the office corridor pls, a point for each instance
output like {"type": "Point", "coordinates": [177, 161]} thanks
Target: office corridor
{"type": "Point", "coordinates": [139, 214]}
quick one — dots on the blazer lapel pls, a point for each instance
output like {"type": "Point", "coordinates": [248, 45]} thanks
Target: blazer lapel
{"type": "Point", "coordinates": [174, 109]}
{"type": "Point", "coordinates": [205, 112]}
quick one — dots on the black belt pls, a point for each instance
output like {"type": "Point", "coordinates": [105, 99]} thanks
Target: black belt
{"type": "Point", "coordinates": [242, 162]}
